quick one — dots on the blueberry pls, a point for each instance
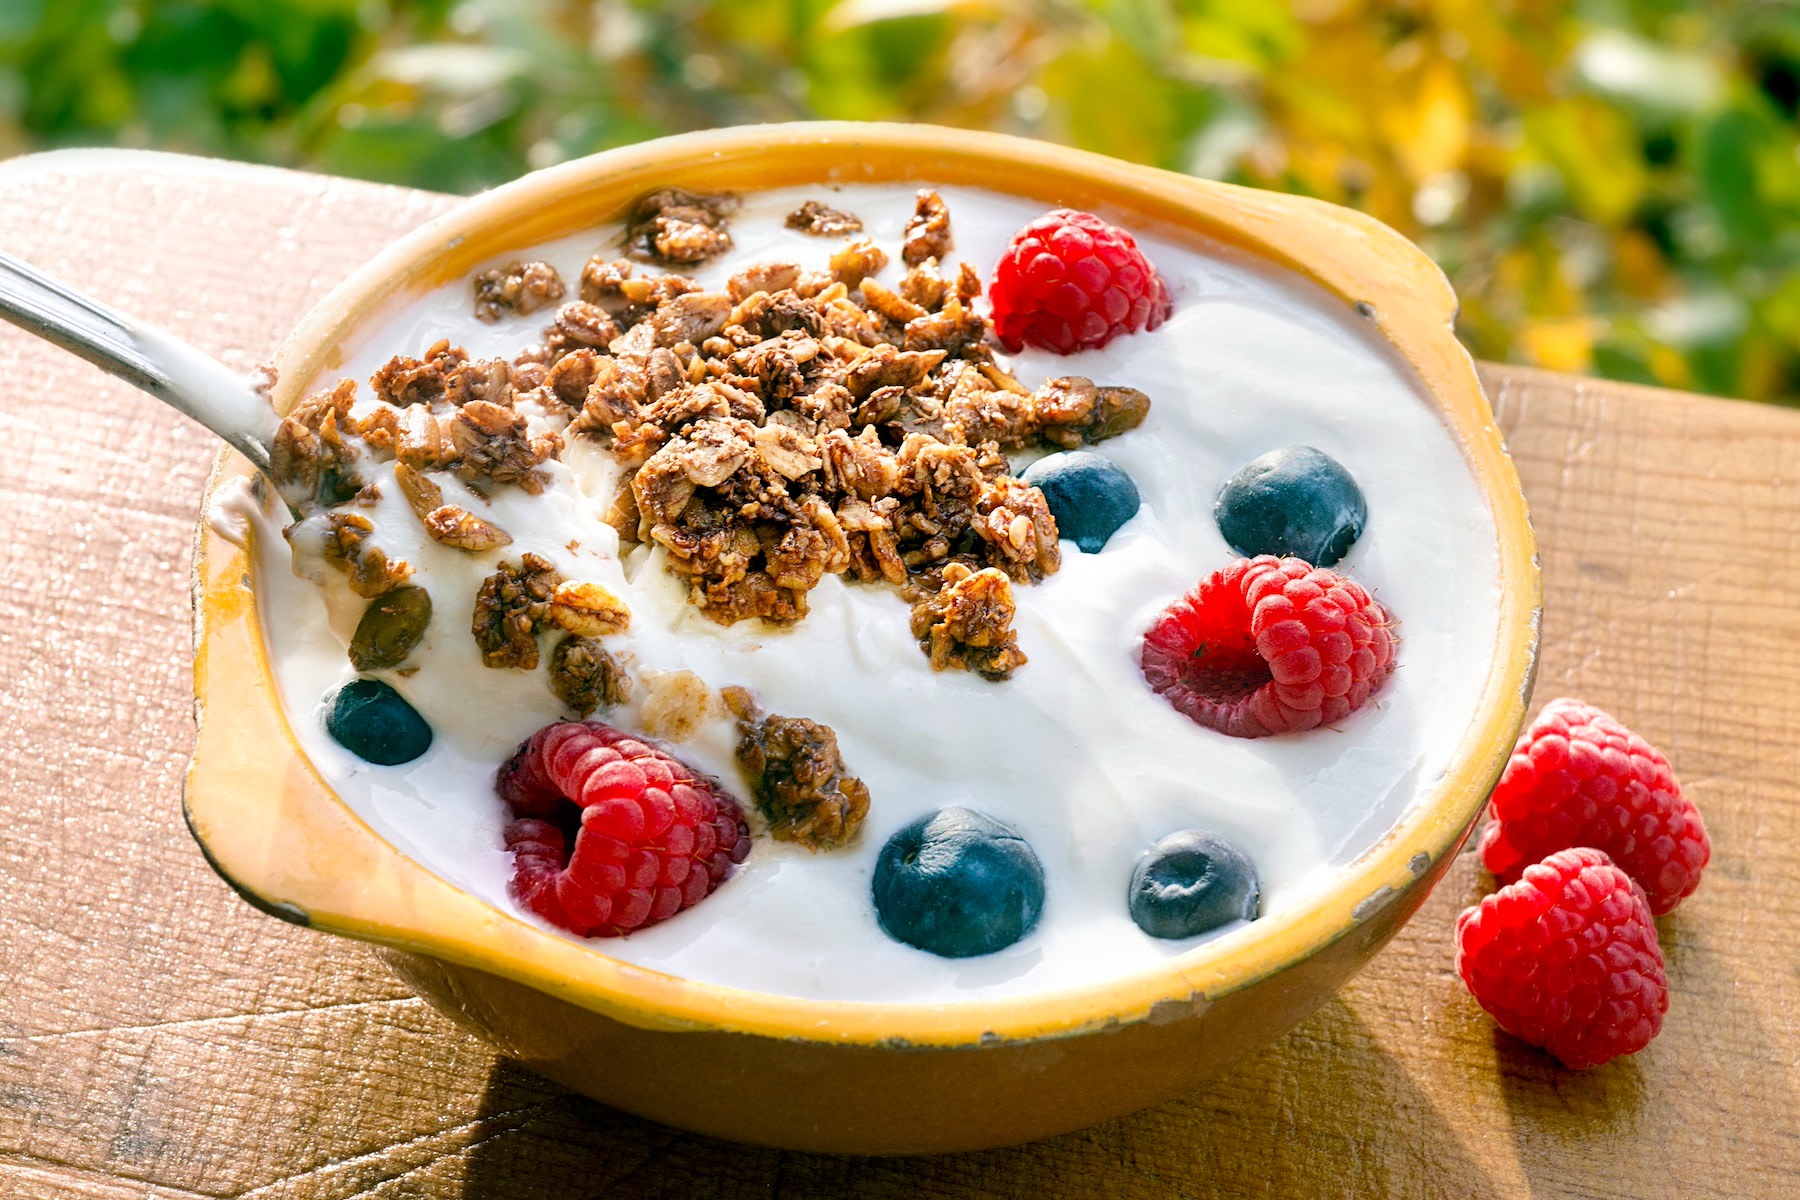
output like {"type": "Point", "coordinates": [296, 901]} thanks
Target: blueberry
{"type": "Point", "coordinates": [958, 884]}
{"type": "Point", "coordinates": [1293, 501]}
{"type": "Point", "coordinates": [1190, 882]}
{"type": "Point", "coordinates": [1089, 496]}
{"type": "Point", "coordinates": [373, 722]}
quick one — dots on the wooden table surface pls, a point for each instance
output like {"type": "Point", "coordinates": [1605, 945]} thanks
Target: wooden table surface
{"type": "Point", "coordinates": [160, 1038]}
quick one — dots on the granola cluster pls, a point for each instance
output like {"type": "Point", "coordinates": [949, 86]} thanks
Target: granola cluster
{"type": "Point", "coordinates": [965, 621]}
{"type": "Point", "coordinates": [522, 599]}
{"type": "Point", "coordinates": [585, 675]}
{"type": "Point", "coordinates": [793, 425]}
{"type": "Point", "coordinates": [349, 548]}
{"type": "Point", "coordinates": [511, 607]}
{"type": "Point", "coordinates": [311, 459]}
{"type": "Point", "coordinates": [520, 287]}
{"type": "Point", "coordinates": [441, 413]}
{"type": "Point", "coordinates": [797, 776]}
{"type": "Point", "coordinates": [676, 227]}
{"type": "Point", "coordinates": [821, 220]}
{"type": "Point", "coordinates": [800, 424]}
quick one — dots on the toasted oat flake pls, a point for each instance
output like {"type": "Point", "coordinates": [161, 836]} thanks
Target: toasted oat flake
{"type": "Point", "coordinates": [675, 704]}
{"type": "Point", "coordinates": [588, 609]}
{"type": "Point", "coordinates": [448, 524]}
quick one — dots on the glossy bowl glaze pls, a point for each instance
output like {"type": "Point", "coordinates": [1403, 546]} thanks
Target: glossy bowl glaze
{"type": "Point", "coordinates": [807, 1074]}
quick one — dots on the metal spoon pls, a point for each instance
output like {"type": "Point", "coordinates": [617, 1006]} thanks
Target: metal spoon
{"type": "Point", "coordinates": [189, 380]}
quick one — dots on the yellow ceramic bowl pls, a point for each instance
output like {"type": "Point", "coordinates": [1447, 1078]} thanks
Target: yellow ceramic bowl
{"type": "Point", "coordinates": [848, 1077]}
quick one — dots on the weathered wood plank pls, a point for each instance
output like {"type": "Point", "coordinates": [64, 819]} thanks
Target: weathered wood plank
{"type": "Point", "coordinates": [160, 1039]}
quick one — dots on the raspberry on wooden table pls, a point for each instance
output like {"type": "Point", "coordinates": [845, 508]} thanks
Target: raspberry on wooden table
{"type": "Point", "coordinates": [650, 835]}
{"type": "Point", "coordinates": [1579, 778]}
{"type": "Point", "coordinates": [1567, 959]}
{"type": "Point", "coordinates": [1069, 281]}
{"type": "Point", "coordinates": [1269, 645]}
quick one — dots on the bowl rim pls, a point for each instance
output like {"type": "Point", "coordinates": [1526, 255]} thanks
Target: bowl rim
{"type": "Point", "coordinates": [272, 827]}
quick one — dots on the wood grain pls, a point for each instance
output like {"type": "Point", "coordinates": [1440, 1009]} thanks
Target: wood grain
{"type": "Point", "coordinates": [158, 1038]}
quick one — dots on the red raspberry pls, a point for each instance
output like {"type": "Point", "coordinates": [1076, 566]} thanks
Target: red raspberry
{"type": "Point", "coordinates": [1269, 645]}
{"type": "Point", "coordinates": [652, 837]}
{"type": "Point", "coordinates": [1579, 778]}
{"type": "Point", "coordinates": [1567, 959]}
{"type": "Point", "coordinates": [1069, 281]}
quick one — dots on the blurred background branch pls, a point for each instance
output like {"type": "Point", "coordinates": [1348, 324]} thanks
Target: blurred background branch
{"type": "Point", "coordinates": [1612, 185]}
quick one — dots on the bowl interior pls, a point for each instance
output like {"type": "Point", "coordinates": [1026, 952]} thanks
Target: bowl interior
{"type": "Point", "coordinates": [249, 806]}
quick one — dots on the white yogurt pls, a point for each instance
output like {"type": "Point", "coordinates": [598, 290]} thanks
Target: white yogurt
{"type": "Point", "coordinates": [1075, 750]}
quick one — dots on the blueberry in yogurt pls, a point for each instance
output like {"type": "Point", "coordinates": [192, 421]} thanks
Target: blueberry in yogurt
{"type": "Point", "coordinates": [1293, 502]}
{"type": "Point", "coordinates": [958, 884]}
{"type": "Point", "coordinates": [1190, 882]}
{"type": "Point", "coordinates": [375, 723]}
{"type": "Point", "coordinates": [1089, 495]}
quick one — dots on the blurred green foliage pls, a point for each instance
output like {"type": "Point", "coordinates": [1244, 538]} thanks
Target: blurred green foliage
{"type": "Point", "coordinates": [1612, 185]}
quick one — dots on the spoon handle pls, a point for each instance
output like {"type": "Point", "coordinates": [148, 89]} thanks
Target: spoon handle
{"type": "Point", "coordinates": [145, 357]}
